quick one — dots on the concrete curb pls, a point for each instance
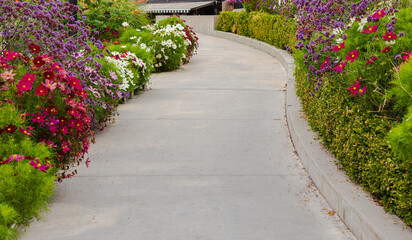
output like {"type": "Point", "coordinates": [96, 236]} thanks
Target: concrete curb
{"type": "Point", "coordinates": [354, 206]}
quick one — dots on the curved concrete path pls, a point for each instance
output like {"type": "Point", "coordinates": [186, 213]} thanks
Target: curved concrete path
{"type": "Point", "coordinates": [205, 154]}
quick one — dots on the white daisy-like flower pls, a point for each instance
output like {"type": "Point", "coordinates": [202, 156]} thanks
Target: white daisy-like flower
{"type": "Point", "coordinates": [125, 24]}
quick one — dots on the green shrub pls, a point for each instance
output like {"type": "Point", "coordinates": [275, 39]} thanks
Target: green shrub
{"type": "Point", "coordinates": [272, 29]}
{"type": "Point", "coordinates": [359, 140]}
{"type": "Point", "coordinates": [24, 190]}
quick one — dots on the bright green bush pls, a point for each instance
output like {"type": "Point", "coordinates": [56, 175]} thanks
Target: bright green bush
{"type": "Point", "coordinates": [109, 17]}
{"type": "Point", "coordinates": [24, 190]}
{"type": "Point", "coordinates": [272, 29]}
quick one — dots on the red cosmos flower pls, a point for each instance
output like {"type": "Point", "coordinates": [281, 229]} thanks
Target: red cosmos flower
{"type": "Point", "coordinates": [24, 85]}
{"type": "Point", "coordinates": [4, 63]}
{"type": "Point", "coordinates": [352, 55]}
{"type": "Point", "coordinates": [324, 63]}
{"type": "Point", "coordinates": [53, 110]}
{"type": "Point", "coordinates": [38, 117]}
{"type": "Point", "coordinates": [37, 165]}
{"type": "Point", "coordinates": [389, 36]}
{"type": "Point", "coordinates": [379, 14]}
{"type": "Point", "coordinates": [340, 67]}
{"type": "Point", "coordinates": [10, 128]}
{"type": "Point", "coordinates": [371, 29]}
{"type": "Point", "coordinates": [38, 62]}
{"type": "Point", "coordinates": [386, 49]}
{"type": "Point", "coordinates": [29, 78]}
{"type": "Point", "coordinates": [369, 61]}
{"type": "Point", "coordinates": [49, 75]}
{"type": "Point", "coordinates": [27, 131]}
{"type": "Point", "coordinates": [75, 83]}
{"type": "Point", "coordinates": [339, 47]}
{"type": "Point", "coordinates": [34, 48]}
{"type": "Point", "coordinates": [83, 94]}
{"type": "Point", "coordinates": [41, 90]}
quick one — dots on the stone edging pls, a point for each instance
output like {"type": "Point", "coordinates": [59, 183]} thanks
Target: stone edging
{"type": "Point", "coordinates": [353, 205]}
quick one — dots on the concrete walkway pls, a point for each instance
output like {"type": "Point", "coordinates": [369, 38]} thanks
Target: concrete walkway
{"type": "Point", "coordinates": [205, 154]}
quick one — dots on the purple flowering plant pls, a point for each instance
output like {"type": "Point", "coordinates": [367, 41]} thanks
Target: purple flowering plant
{"type": "Point", "coordinates": [52, 26]}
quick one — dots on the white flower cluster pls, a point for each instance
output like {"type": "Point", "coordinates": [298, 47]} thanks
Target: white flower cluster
{"type": "Point", "coordinates": [169, 30]}
{"type": "Point", "coordinates": [125, 24]}
{"type": "Point", "coordinates": [122, 63]}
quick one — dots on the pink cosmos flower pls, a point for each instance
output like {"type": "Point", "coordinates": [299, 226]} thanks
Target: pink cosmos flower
{"type": "Point", "coordinates": [51, 144]}
{"type": "Point", "coordinates": [64, 130]}
{"type": "Point", "coordinates": [356, 88]}
{"type": "Point", "coordinates": [52, 122]}
{"type": "Point", "coordinates": [352, 55]}
{"type": "Point", "coordinates": [65, 147]}
{"type": "Point", "coordinates": [325, 63]}
{"type": "Point", "coordinates": [16, 157]}
{"type": "Point", "coordinates": [50, 85]}
{"type": "Point", "coordinates": [87, 163]}
{"type": "Point", "coordinates": [389, 36]}
{"type": "Point", "coordinates": [371, 29]}
{"type": "Point", "coordinates": [37, 165]}
{"type": "Point", "coordinates": [7, 75]}
{"type": "Point", "coordinates": [339, 47]}
{"type": "Point", "coordinates": [407, 56]}
{"type": "Point", "coordinates": [27, 131]}
{"type": "Point", "coordinates": [11, 56]}
{"type": "Point", "coordinates": [75, 83]}
{"type": "Point", "coordinates": [23, 85]}
{"type": "Point", "coordinates": [38, 117]}
{"type": "Point", "coordinates": [29, 78]}
{"type": "Point", "coordinates": [379, 14]}
{"type": "Point", "coordinates": [369, 61]}
{"type": "Point", "coordinates": [340, 67]}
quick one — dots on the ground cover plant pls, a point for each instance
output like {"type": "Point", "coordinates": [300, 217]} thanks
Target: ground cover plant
{"type": "Point", "coordinates": [353, 79]}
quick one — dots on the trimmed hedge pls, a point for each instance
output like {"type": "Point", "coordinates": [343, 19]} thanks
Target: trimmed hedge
{"type": "Point", "coordinates": [272, 29]}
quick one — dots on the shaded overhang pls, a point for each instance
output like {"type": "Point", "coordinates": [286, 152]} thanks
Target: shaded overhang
{"type": "Point", "coordinates": [180, 7]}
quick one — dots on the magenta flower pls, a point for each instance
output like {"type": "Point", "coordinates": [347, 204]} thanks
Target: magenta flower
{"type": "Point", "coordinates": [23, 85]}
{"type": "Point", "coordinates": [369, 61]}
{"type": "Point", "coordinates": [52, 122]}
{"type": "Point", "coordinates": [379, 14]}
{"type": "Point", "coordinates": [352, 55]}
{"type": "Point", "coordinates": [15, 157]}
{"type": "Point", "coordinates": [11, 56]}
{"type": "Point", "coordinates": [371, 29]}
{"type": "Point", "coordinates": [37, 165]}
{"type": "Point", "coordinates": [29, 78]}
{"type": "Point", "coordinates": [27, 131]}
{"type": "Point", "coordinates": [356, 88]}
{"type": "Point", "coordinates": [340, 67]}
{"type": "Point", "coordinates": [325, 63]}
{"type": "Point", "coordinates": [407, 56]}
{"type": "Point", "coordinates": [386, 49]}
{"type": "Point", "coordinates": [339, 47]}
{"type": "Point", "coordinates": [38, 117]}
{"type": "Point", "coordinates": [389, 36]}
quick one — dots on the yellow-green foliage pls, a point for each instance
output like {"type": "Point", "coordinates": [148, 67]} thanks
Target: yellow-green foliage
{"type": "Point", "coordinates": [24, 191]}
{"type": "Point", "coordinates": [272, 29]}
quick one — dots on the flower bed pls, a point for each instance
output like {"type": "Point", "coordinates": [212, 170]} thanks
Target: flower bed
{"type": "Point", "coordinates": [58, 84]}
{"type": "Point", "coordinates": [353, 79]}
